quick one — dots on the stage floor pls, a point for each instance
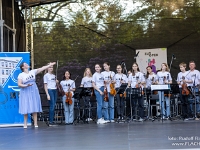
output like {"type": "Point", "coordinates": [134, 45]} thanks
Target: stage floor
{"type": "Point", "coordinates": [111, 136]}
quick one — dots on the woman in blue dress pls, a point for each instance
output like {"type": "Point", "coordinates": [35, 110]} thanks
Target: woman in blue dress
{"type": "Point", "coordinates": [29, 98]}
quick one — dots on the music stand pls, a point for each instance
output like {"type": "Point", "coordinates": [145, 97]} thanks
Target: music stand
{"type": "Point", "coordinates": [193, 92]}
{"type": "Point", "coordinates": [136, 92]}
{"type": "Point", "coordinates": [161, 88]}
{"type": "Point", "coordinates": [77, 95]}
{"type": "Point", "coordinates": [89, 96]}
{"type": "Point", "coordinates": [122, 90]}
{"type": "Point", "coordinates": [175, 90]}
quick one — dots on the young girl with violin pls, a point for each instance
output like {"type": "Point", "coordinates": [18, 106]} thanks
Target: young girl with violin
{"type": "Point", "coordinates": [109, 81]}
{"type": "Point", "coordinates": [98, 85]}
{"type": "Point", "coordinates": [68, 86]}
{"type": "Point", "coordinates": [183, 80]}
{"type": "Point", "coordinates": [150, 80]}
{"type": "Point", "coordinates": [136, 80]}
{"type": "Point", "coordinates": [51, 92]}
{"type": "Point", "coordinates": [119, 79]}
{"type": "Point", "coordinates": [164, 77]}
{"type": "Point", "coordinates": [86, 82]}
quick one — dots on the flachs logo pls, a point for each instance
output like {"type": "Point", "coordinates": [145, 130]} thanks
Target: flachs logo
{"type": "Point", "coordinates": [150, 54]}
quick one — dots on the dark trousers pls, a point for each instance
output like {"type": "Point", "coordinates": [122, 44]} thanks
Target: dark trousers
{"type": "Point", "coordinates": [185, 105]}
{"type": "Point", "coordinates": [137, 102]}
{"type": "Point", "coordinates": [120, 105]}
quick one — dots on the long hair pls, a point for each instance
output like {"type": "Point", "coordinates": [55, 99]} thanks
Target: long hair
{"type": "Point", "coordinates": [167, 68]}
{"type": "Point", "coordinates": [64, 75]}
{"type": "Point", "coordinates": [85, 72]}
{"type": "Point", "coordinates": [133, 73]}
{"type": "Point", "coordinates": [147, 75]}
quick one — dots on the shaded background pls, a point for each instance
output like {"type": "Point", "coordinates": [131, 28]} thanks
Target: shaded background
{"type": "Point", "coordinates": [83, 33]}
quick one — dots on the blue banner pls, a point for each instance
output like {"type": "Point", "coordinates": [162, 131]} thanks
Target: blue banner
{"type": "Point", "coordinates": [9, 90]}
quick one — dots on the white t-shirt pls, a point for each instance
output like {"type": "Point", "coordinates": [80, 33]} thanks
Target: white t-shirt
{"type": "Point", "coordinates": [66, 84]}
{"type": "Point", "coordinates": [86, 81]}
{"type": "Point", "coordinates": [107, 75]}
{"type": "Point", "coordinates": [194, 76]}
{"type": "Point", "coordinates": [118, 78]}
{"type": "Point", "coordinates": [97, 78]}
{"type": "Point", "coordinates": [163, 75]}
{"type": "Point", "coordinates": [26, 77]}
{"type": "Point", "coordinates": [151, 78]}
{"type": "Point", "coordinates": [50, 80]}
{"type": "Point", "coordinates": [138, 77]}
{"type": "Point", "coordinates": [182, 75]}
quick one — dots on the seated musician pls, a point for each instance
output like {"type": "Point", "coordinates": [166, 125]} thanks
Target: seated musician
{"type": "Point", "coordinates": [164, 77]}
{"type": "Point", "coordinates": [136, 80]}
{"type": "Point", "coordinates": [183, 79]}
{"type": "Point", "coordinates": [86, 82]}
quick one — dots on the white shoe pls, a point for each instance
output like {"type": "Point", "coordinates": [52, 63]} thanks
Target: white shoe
{"type": "Point", "coordinates": [101, 121]}
{"type": "Point", "coordinates": [112, 121]}
{"type": "Point", "coordinates": [107, 121]}
{"type": "Point", "coordinates": [89, 119]}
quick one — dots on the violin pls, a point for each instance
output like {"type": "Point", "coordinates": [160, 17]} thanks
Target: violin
{"type": "Point", "coordinates": [60, 90]}
{"type": "Point", "coordinates": [69, 94]}
{"type": "Point", "coordinates": [185, 90]}
{"type": "Point", "coordinates": [59, 87]}
{"type": "Point", "coordinates": [164, 78]}
{"type": "Point", "coordinates": [112, 88]}
{"type": "Point", "coordinates": [124, 94]}
{"type": "Point", "coordinates": [105, 95]}
{"type": "Point", "coordinates": [155, 92]}
{"type": "Point", "coordinates": [138, 84]}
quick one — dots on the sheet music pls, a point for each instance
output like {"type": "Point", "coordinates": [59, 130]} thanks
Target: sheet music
{"type": "Point", "coordinates": [160, 87]}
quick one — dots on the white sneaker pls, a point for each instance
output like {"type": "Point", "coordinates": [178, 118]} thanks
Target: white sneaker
{"type": "Point", "coordinates": [141, 120]}
{"type": "Point", "coordinates": [101, 121]}
{"type": "Point", "coordinates": [112, 121]}
{"type": "Point", "coordinates": [89, 119]}
{"type": "Point", "coordinates": [107, 121]}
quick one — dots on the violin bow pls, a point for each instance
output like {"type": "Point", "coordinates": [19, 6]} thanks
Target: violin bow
{"type": "Point", "coordinates": [56, 69]}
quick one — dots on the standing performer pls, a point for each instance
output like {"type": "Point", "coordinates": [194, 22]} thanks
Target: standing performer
{"type": "Point", "coordinates": [98, 85]}
{"type": "Point", "coordinates": [136, 80]}
{"type": "Point", "coordinates": [164, 77]}
{"type": "Point", "coordinates": [108, 105]}
{"type": "Point", "coordinates": [86, 82]}
{"type": "Point", "coordinates": [195, 77]}
{"type": "Point", "coordinates": [183, 79]}
{"type": "Point", "coordinates": [119, 79]}
{"type": "Point", "coordinates": [68, 86]}
{"type": "Point", "coordinates": [51, 92]}
{"type": "Point", "coordinates": [29, 98]}
{"type": "Point", "coordinates": [150, 80]}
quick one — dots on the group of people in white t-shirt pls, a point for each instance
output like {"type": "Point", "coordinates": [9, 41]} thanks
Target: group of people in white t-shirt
{"type": "Point", "coordinates": [101, 82]}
